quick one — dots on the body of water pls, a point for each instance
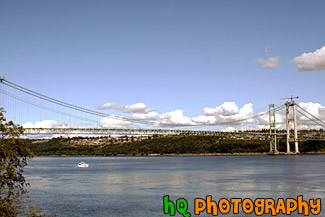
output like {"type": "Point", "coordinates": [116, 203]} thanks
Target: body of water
{"type": "Point", "coordinates": [135, 186]}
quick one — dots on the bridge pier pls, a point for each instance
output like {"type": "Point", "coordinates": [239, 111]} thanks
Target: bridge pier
{"type": "Point", "coordinates": [274, 150]}
{"type": "Point", "coordinates": [288, 120]}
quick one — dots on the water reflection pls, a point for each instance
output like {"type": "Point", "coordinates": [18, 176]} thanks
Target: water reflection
{"type": "Point", "coordinates": [104, 188]}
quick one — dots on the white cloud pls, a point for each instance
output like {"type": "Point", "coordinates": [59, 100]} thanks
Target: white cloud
{"type": "Point", "coordinates": [205, 119]}
{"type": "Point", "coordinates": [141, 112]}
{"type": "Point", "coordinates": [312, 61]}
{"type": "Point", "coordinates": [228, 111]}
{"type": "Point", "coordinates": [108, 122]}
{"type": "Point", "coordinates": [303, 122]}
{"type": "Point", "coordinates": [220, 114]}
{"type": "Point", "coordinates": [133, 108]}
{"type": "Point", "coordinates": [262, 122]}
{"type": "Point", "coordinates": [316, 109]}
{"type": "Point", "coordinates": [313, 108]}
{"type": "Point", "coordinates": [271, 62]}
{"type": "Point", "coordinates": [246, 111]}
{"type": "Point", "coordinates": [28, 125]}
{"type": "Point", "coordinates": [137, 108]}
{"type": "Point", "coordinates": [148, 116]}
{"type": "Point", "coordinates": [229, 129]}
{"type": "Point", "coordinates": [162, 120]}
{"type": "Point", "coordinates": [174, 118]}
{"type": "Point", "coordinates": [53, 124]}
{"type": "Point", "coordinates": [110, 105]}
{"type": "Point", "coordinates": [42, 124]}
{"type": "Point", "coordinates": [224, 113]}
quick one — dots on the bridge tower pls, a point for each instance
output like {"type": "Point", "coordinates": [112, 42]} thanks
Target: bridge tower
{"type": "Point", "coordinates": [292, 104]}
{"type": "Point", "coordinates": [273, 144]}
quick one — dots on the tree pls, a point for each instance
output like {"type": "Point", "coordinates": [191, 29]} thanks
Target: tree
{"type": "Point", "coordinates": [14, 154]}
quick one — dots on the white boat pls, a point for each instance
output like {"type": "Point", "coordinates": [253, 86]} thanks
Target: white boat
{"type": "Point", "coordinates": [82, 164]}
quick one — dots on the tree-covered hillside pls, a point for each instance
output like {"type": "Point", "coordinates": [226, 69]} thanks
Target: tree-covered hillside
{"type": "Point", "coordinates": [162, 145]}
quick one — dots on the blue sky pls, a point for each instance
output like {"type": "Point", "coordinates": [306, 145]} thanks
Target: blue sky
{"type": "Point", "coordinates": [169, 55]}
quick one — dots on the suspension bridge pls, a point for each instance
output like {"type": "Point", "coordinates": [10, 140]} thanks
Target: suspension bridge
{"type": "Point", "coordinates": [42, 115]}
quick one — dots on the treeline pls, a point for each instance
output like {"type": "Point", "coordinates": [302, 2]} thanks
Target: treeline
{"type": "Point", "coordinates": [165, 145]}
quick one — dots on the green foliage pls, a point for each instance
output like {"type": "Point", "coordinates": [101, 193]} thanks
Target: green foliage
{"type": "Point", "coordinates": [155, 145]}
{"type": "Point", "coordinates": [304, 146]}
{"type": "Point", "coordinates": [183, 144]}
{"type": "Point", "coordinates": [14, 154]}
{"type": "Point", "coordinates": [312, 146]}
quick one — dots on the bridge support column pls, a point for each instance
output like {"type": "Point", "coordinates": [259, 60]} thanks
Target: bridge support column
{"type": "Point", "coordinates": [295, 128]}
{"type": "Point", "coordinates": [288, 128]}
{"type": "Point", "coordinates": [294, 119]}
{"type": "Point", "coordinates": [273, 144]}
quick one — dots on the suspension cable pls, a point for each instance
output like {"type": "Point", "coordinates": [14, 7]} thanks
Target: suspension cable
{"type": "Point", "coordinates": [310, 114]}
{"type": "Point", "coordinates": [78, 108]}
{"type": "Point", "coordinates": [46, 108]}
{"type": "Point", "coordinates": [310, 118]}
{"type": "Point", "coordinates": [96, 113]}
{"type": "Point", "coordinates": [233, 121]}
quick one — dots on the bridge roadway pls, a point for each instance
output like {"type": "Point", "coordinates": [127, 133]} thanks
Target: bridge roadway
{"type": "Point", "coordinates": [150, 132]}
{"type": "Point", "coordinates": [143, 132]}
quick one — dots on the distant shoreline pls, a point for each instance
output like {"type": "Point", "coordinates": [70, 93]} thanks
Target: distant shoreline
{"type": "Point", "coordinates": [166, 146]}
{"type": "Point", "coordinates": [184, 155]}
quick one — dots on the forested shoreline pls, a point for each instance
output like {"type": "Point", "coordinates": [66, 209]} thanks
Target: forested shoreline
{"type": "Point", "coordinates": [162, 146]}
